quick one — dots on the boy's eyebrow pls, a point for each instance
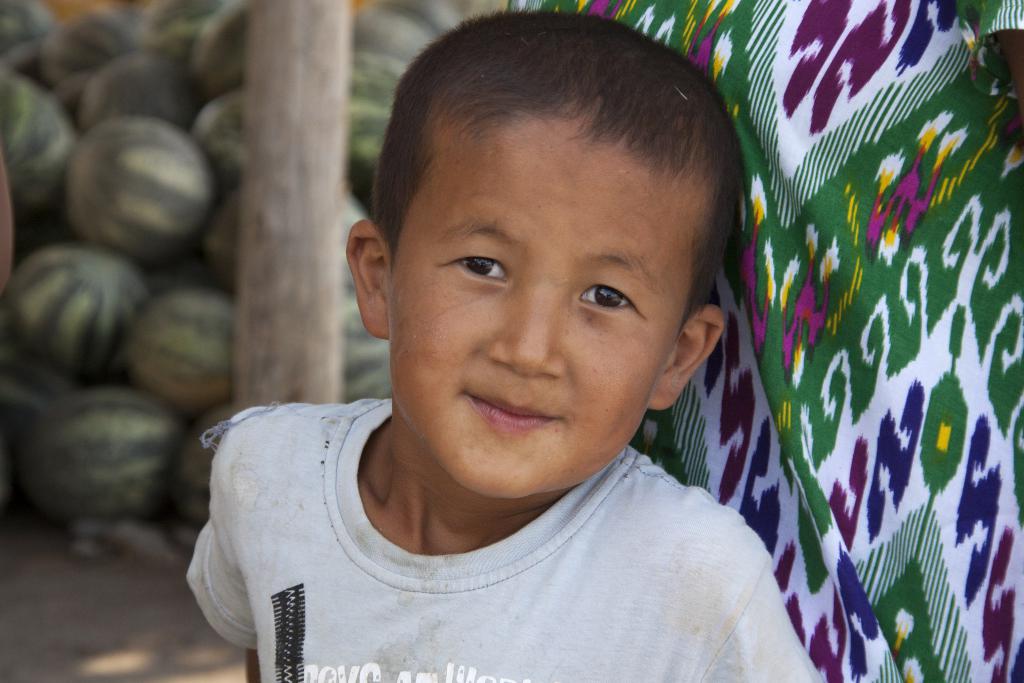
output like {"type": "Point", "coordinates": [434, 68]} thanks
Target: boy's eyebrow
{"type": "Point", "coordinates": [470, 228]}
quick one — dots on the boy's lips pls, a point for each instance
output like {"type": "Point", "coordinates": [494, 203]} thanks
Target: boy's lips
{"type": "Point", "coordinates": [508, 418]}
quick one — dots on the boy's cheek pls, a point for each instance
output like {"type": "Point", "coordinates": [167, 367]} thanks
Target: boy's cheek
{"type": "Point", "coordinates": [420, 330]}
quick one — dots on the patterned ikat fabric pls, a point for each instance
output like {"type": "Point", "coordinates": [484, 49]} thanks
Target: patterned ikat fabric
{"type": "Point", "coordinates": [863, 411]}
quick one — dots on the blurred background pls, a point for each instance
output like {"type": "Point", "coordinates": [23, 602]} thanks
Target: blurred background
{"type": "Point", "coordinates": [122, 130]}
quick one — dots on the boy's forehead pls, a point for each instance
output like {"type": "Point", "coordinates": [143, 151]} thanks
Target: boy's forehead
{"type": "Point", "coordinates": [588, 167]}
{"type": "Point", "coordinates": [552, 170]}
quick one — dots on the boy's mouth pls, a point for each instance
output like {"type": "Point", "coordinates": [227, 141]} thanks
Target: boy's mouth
{"type": "Point", "coordinates": [508, 418]}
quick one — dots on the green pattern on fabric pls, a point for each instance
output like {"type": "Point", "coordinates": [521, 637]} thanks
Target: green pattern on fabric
{"type": "Point", "coordinates": [944, 433]}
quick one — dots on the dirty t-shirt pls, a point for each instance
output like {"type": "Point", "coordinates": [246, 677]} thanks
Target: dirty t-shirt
{"type": "Point", "coordinates": [630, 576]}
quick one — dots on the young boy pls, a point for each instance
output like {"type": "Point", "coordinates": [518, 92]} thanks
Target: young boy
{"type": "Point", "coordinates": [552, 202]}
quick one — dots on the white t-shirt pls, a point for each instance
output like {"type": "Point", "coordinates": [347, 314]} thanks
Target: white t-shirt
{"type": "Point", "coordinates": [630, 576]}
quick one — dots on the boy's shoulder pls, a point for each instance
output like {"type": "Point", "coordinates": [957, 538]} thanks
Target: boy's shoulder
{"type": "Point", "coordinates": [695, 570]}
{"type": "Point", "coordinates": [282, 440]}
{"type": "Point", "coordinates": [680, 523]}
{"type": "Point", "coordinates": [271, 459]}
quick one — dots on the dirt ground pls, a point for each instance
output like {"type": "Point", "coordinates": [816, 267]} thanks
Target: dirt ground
{"type": "Point", "coordinates": [68, 613]}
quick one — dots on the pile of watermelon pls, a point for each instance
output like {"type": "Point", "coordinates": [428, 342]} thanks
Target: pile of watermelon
{"type": "Point", "coordinates": [122, 134]}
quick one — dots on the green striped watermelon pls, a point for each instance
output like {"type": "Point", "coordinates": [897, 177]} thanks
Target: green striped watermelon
{"type": "Point", "coordinates": [190, 474]}
{"type": "Point", "coordinates": [27, 387]}
{"type": "Point", "coordinates": [180, 348]}
{"type": "Point", "coordinates": [374, 78]}
{"type": "Point", "coordinates": [218, 57]}
{"type": "Point", "coordinates": [37, 139]}
{"type": "Point", "coordinates": [99, 453]}
{"type": "Point", "coordinates": [89, 42]}
{"type": "Point", "coordinates": [220, 131]}
{"type": "Point", "coordinates": [141, 186]}
{"type": "Point", "coordinates": [72, 304]}
{"type": "Point", "coordinates": [172, 26]}
{"type": "Point", "coordinates": [139, 84]}
{"type": "Point", "coordinates": [23, 21]}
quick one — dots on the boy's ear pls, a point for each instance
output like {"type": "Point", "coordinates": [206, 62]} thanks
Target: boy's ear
{"type": "Point", "coordinates": [370, 262]}
{"type": "Point", "coordinates": [694, 344]}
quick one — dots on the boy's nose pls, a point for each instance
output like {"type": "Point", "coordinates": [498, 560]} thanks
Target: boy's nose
{"type": "Point", "coordinates": [529, 335]}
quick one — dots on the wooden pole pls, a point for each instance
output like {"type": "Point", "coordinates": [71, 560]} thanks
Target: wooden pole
{"type": "Point", "coordinates": [288, 338]}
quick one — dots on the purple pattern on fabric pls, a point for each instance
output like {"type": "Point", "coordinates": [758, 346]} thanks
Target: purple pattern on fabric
{"type": "Point", "coordinates": [700, 52]}
{"type": "Point", "coordinates": [762, 515]}
{"type": "Point", "coordinates": [806, 314]}
{"type": "Point", "coordinates": [997, 619]}
{"type": "Point", "coordinates": [785, 567]}
{"type": "Point", "coordinates": [856, 602]}
{"type": "Point", "coordinates": [839, 500]}
{"type": "Point", "coordinates": [824, 657]}
{"type": "Point", "coordinates": [979, 504]}
{"type": "Point", "coordinates": [748, 273]}
{"type": "Point", "coordinates": [922, 29]}
{"type": "Point", "coordinates": [783, 572]}
{"type": "Point", "coordinates": [904, 203]}
{"type": "Point", "coordinates": [737, 414]}
{"type": "Point", "coordinates": [793, 609]}
{"type": "Point", "coordinates": [601, 8]}
{"type": "Point", "coordinates": [860, 56]}
{"type": "Point", "coordinates": [823, 23]}
{"type": "Point", "coordinates": [896, 459]}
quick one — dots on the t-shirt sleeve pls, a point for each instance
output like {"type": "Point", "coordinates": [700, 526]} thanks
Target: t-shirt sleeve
{"type": "Point", "coordinates": [214, 575]}
{"type": "Point", "coordinates": [980, 20]}
{"type": "Point", "coordinates": [763, 646]}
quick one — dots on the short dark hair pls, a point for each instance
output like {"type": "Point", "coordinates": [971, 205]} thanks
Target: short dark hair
{"type": "Point", "coordinates": [627, 88]}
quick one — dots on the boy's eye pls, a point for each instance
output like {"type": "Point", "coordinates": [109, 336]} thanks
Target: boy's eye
{"type": "Point", "coordinates": [605, 296]}
{"type": "Point", "coordinates": [487, 267]}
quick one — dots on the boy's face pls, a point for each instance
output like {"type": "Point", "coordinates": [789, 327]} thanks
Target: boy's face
{"type": "Point", "coordinates": [534, 305]}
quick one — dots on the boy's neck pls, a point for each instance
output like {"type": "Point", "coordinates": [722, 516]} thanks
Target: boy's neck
{"type": "Point", "coordinates": [414, 504]}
